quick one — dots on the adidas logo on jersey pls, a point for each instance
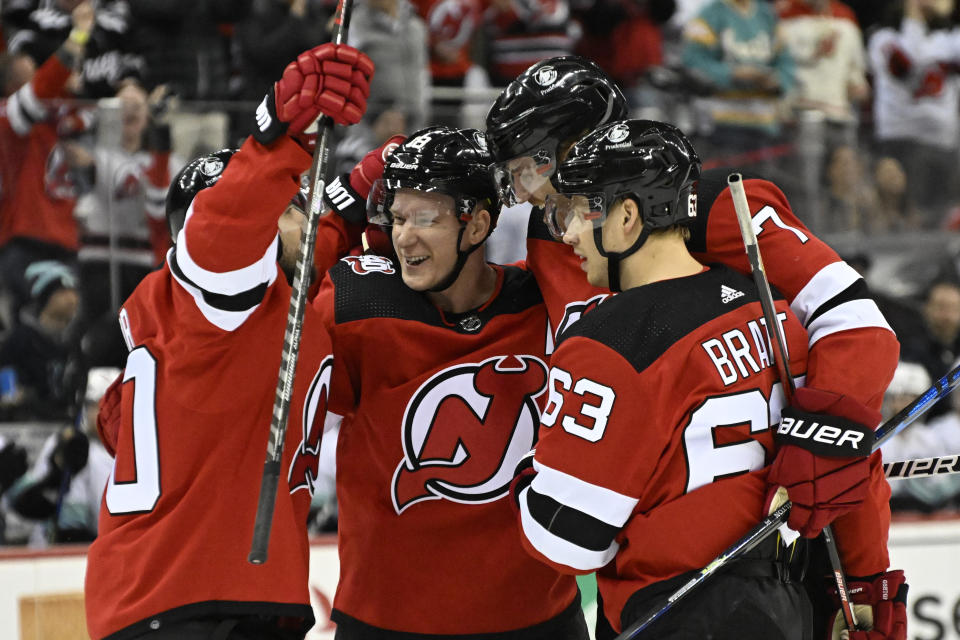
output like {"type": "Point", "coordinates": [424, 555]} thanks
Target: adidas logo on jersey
{"type": "Point", "coordinates": [263, 115]}
{"type": "Point", "coordinates": [728, 294]}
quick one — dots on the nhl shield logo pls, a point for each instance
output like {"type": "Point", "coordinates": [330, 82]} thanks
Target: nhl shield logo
{"type": "Point", "coordinates": [465, 429]}
{"type": "Point", "coordinates": [545, 76]}
{"type": "Point", "coordinates": [618, 133]}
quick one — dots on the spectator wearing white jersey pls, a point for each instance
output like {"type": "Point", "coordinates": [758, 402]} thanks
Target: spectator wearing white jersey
{"type": "Point", "coordinates": [914, 61]}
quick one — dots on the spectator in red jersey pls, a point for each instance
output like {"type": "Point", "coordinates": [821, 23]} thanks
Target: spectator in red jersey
{"type": "Point", "coordinates": [524, 32]}
{"type": "Point", "coordinates": [37, 195]}
{"type": "Point", "coordinates": [611, 26]}
{"type": "Point", "coordinates": [452, 26]}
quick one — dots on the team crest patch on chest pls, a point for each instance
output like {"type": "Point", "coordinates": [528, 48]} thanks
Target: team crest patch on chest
{"type": "Point", "coordinates": [365, 265]}
{"type": "Point", "coordinates": [465, 429]}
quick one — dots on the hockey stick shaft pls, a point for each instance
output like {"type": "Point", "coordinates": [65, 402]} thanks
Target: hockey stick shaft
{"type": "Point", "coordinates": [921, 467]}
{"type": "Point", "coordinates": [291, 336]}
{"type": "Point", "coordinates": [742, 208]}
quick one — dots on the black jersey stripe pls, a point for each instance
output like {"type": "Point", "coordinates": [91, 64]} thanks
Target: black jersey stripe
{"type": "Point", "coordinates": [568, 523]}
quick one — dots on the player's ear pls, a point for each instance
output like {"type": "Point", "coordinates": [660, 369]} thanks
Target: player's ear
{"type": "Point", "coordinates": [478, 226]}
{"type": "Point", "coordinates": [630, 217]}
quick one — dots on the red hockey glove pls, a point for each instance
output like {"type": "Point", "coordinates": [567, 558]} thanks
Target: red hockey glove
{"type": "Point", "coordinates": [523, 476]}
{"type": "Point", "coordinates": [347, 195]}
{"type": "Point", "coordinates": [331, 80]}
{"type": "Point", "coordinates": [879, 605]}
{"type": "Point", "coordinates": [823, 457]}
{"type": "Point", "coordinates": [108, 417]}
{"type": "Point", "coordinates": [378, 241]}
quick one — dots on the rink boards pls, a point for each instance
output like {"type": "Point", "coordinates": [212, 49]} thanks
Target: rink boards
{"type": "Point", "coordinates": [41, 592]}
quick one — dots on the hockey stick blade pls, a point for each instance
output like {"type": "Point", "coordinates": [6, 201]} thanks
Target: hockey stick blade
{"type": "Point", "coordinates": [291, 337]}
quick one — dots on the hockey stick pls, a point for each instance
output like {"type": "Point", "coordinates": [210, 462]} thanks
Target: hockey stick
{"type": "Point", "coordinates": [291, 335]}
{"type": "Point", "coordinates": [742, 208]}
{"type": "Point", "coordinates": [922, 467]}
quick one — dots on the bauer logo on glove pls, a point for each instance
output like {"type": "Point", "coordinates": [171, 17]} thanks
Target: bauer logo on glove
{"type": "Point", "coordinates": [839, 438]}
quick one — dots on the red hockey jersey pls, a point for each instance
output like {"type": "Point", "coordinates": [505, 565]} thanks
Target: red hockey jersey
{"type": "Point", "coordinates": [656, 435]}
{"type": "Point", "coordinates": [853, 351]}
{"type": "Point", "coordinates": [205, 334]}
{"type": "Point", "coordinates": [438, 408]}
{"type": "Point", "coordinates": [37, 195]}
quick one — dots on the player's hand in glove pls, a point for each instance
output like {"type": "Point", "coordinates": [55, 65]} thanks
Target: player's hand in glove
{"type": "Point", "coordinates": [347, 194]}
{"type": "Point", "coordinates": [13, 464]}
{"type": "Point", "coordinates": [523, 476]}
{"type": "Point", "coordinates": [823, 457]}
{"type": "Point", "coordinates": [331, 80]}
{"type": "Point", "coordinates": [879, 605]}
{"type": "Point", "coordinates": [108, 417]}
{"type": "Point", "coordinates": [71, 451]}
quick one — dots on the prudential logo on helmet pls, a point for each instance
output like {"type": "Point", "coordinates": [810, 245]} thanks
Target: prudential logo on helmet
{"type": "Point", "coordinates": [545, 76]}
{"type": "Point", "coordinates": [618, 133]}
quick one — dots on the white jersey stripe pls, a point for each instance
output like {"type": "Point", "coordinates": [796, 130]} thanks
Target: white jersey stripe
{"type": "Point", "coordinates": [556, 548]}
{"type": "Point", "coordinates": [603, 504]}
{"type": "Point", "coordinates": [855, 314]}
{"type": "Point", "coordinates": [828, 282]}
{"type": "Point", "coordinates": [227, 283]}
{"type": "Point", "coordinates": [226, 320]}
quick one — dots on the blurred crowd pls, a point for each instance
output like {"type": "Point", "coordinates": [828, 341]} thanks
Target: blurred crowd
{"type": "Point", "coordinates": [852, 108]}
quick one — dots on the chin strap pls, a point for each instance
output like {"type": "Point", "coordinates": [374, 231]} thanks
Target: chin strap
{"type": "Point", "coordinates": [462, 256]}
{"type": "Point", "coordinates": [615, 257]}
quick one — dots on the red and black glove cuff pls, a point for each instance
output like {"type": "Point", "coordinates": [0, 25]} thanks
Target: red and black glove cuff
{"type": "Point", "coordinates": [889, 586]}
{"type": "Point", "coordinates": [345, 201]}
{"type": "Point", "coordinates": [267, 125]}
{"type": "Point", "coordinates": [823, 434]}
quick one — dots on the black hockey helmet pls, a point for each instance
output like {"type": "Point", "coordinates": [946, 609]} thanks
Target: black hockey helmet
{"type": "Point", "coordinates": [438, 159]}
{"type": "Point", "coordinates": [651, 162]}
{"type": "Point", "coordinates": [548, 106]}
{"type": "Point", "coordinates": [451, 163]}
{"type": "Point", "coordinates": [196, 176]}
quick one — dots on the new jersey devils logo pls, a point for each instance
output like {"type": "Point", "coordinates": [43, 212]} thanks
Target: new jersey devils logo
{"type": "Point", "coordinates": [465, 429]}
{"type": "Point", "coordinates": [366, 264]}
{"type": "Point", "coordinates": [306, 459]}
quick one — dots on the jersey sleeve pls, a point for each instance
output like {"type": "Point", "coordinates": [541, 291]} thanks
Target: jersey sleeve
{"type": "Point", "coordinates": [27, 105]}
{"type": "Point", "coordinates": [852, 349]}
{"type": "Point", "coordinates": [226, 253]}
{"type": "Point", "coordinates": [587, 462]}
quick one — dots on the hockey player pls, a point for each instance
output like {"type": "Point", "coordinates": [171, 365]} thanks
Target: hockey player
{"type": "Point", "coordinates": [441, 364]}
{"type": "Point", "coordinates": [678, 362]}
{"type": "Point", "coordinates": [189, 421]}
{"type": "Point", "coordinates": [853, 351]}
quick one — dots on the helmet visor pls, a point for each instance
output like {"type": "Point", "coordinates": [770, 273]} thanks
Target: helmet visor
{"type": "Point", "coordinates": [417, 206]}
{"type": "Point", "coordinates": [574, 212]}
{"type": "Point", "coordinates": [517, 179]}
